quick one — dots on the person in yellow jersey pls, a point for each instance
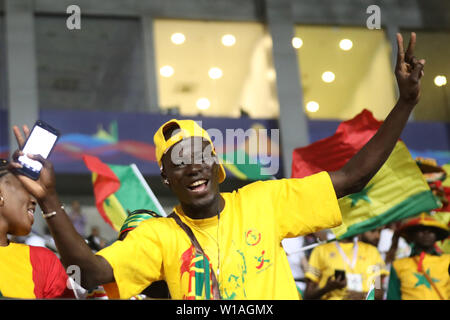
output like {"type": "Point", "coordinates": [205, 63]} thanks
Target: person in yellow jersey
{"type": "Point", "coordinates": [238, 252]}
{"type": "Point", "coordinates": [344, 270]}
{"type": "Point", "coordinates": [425, 274]}
{"type": "Point", "coordinates": [158, 289]}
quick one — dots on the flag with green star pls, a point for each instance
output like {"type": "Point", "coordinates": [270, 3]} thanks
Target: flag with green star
{"type": "Point", "coordinates": [119, 190]}
{"type": "Point", "coordinates": [396, 192]}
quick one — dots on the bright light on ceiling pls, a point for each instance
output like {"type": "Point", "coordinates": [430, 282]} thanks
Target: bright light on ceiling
{"type": "Point", "coordinates": [440, 81]}
{"type": "Point", "coordinates": [166, 71]}
{"type": "Point", "coordinates": [328, 76]}
{"type": "Point", "coordinates": [215, 73]}
{"type": "Point", "coordinates": [312, 106]}
{"type": "Point", "coordinates": [203, 103]}
{"type": "Point", "coordinates": [346, 44]}
{"type": "Point", "coordinates": [178, 38]}
{"type": "Point", "coordinates": [228, 40]}
{"type": "Point", "coordinates": [297, 42]}
{"type": "Point", "coordinates": [271, 75]}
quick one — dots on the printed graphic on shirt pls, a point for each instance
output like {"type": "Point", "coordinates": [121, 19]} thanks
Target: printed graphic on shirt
{"type": "Point", "coordinates": [422, 280]}
{"type": "Point", "coordinates": [235, 283]}
{"type": "Point", "coordinates": [261, 261]}
{"type": "Point", "coordinates": [252, 237]}
{"type": "Point", "coordinates": [196, 268]}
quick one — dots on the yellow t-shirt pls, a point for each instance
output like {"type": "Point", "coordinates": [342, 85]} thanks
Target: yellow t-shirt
{"type": "Point", "coordinates": [245, 243]}
{"type": "Point", "coordinates": [325, 259]}
{"type": "Point", "coordinates": [415, 286]}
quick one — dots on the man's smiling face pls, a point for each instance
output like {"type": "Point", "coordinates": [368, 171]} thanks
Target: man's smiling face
{"type": "Point", "coordinates": [192, 172]}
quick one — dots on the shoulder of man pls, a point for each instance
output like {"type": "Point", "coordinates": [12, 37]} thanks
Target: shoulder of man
{"type": "Point", "coordinates": [156, 222]}
{"type": "Point", "coordinates": [402, 263]}
{"type": "Point", "coordinates": [324, 248]}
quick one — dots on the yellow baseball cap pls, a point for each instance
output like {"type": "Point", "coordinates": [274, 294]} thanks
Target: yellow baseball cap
{"type": "Point", "coordinates": [188, 128]}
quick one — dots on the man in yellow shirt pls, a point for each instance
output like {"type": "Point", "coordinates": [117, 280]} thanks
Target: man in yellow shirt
{"type": "Point", "coordinates": [425, 274]}
{"type": "Point", "coordinates": [240, 232]}
{"type": "Point", "coordinates": [361, 262]}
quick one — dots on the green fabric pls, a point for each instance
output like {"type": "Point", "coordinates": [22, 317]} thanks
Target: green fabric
{"type": "Point", "coordinates": [397, 191]}
{"type": "Point", "coordinates": [247, 167]}
{"type": "Point", "coordinates": [132, 195]}
{"type": "Point", "coordinates": [371, 294]}
{"type": "Point", "coordinates": [417, 203]}
{"type": "Point", "coordinates": [300, 292]}
{"type": "Point", "coordinates": [394, 292]}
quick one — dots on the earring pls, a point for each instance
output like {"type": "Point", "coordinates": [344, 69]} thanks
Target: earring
{"type": "Point", "coordinates": [2, 200]}
{"type": "Point", "coordinates": [166, 181]}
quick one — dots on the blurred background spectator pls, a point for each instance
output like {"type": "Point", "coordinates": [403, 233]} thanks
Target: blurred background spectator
{"type": "Point", "coordinates": [77, 217]}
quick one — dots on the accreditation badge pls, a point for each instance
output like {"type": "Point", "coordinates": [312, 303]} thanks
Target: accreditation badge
{"type": "Point", "coordinates": [354, 282]}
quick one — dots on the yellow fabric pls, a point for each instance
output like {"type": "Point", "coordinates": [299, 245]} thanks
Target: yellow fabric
{"type": "Point", "coordinates": [446, 182]}
{"type": "Point", "coordinates": [325, 259]}
{"type": "Point", "coordinates": [425, 219]}
{"type": "Point", "coordinates": [253, 264]}
{"type": "Point", "coordinates": [398, 179]}
{"type": "Point", "coordinates": [413, 286]}
{"type": "Point", "coordinates": [112, 208]}
{"type": "Point", "coordinates": [16, 276]}
{"type": "Point", "coordinates": [189, 128]}
{"type": "Point", "coordinates": [115, 211]}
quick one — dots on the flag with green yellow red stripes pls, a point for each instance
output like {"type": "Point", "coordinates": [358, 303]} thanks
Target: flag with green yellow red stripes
{"type": "Point", "coordinates": [119, 190]}
{"type": "Point", "coordinates": [397, 191]}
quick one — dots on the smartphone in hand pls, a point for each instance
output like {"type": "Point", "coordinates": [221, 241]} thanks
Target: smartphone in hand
{"type": "Point", "coordinates": [41, 141]}
{"type": "Point", "coordinates": [339, 274]}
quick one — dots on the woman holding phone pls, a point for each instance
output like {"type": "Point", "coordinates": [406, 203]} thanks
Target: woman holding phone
{"type": "Point", "coordinates": [26, 272]}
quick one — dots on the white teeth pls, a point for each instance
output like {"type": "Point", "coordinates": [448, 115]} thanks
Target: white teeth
{"type": "Point", "coordinates": [31, 211]}
{"type": "Point", "coordinates": [197, 183]}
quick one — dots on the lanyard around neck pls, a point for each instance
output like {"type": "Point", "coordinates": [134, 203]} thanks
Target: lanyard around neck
{"type": "Point", "coordinates": [344, 256]}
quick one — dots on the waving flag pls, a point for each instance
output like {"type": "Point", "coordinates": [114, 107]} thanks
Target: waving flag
{"type": "Point", "coordinates": [396, 192]}
{"type": "Point", "coordinates": [119, 190]}
{"type": "Point", "coordinates": [246, 169]}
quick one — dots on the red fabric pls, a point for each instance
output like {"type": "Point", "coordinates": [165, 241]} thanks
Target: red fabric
{"type": "Point", "coordinates": [446, 206]}
{"type": "Point", "coordinates": [106, 183]}
{"type": "Point", "coordinates": [49, 276]}
{"type": "Point", "coordinates": [332, 153]}
{"type": "Point", "coordinates": [420, 263]}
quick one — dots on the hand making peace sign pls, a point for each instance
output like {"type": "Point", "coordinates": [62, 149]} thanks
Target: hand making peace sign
{"type": "Point", "coordinates": [408, 71]}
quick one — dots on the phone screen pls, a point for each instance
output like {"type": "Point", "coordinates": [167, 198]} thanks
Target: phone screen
{"type": "Point", "coordinates": [40, 142]}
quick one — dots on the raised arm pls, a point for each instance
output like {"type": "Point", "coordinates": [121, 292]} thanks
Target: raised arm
{"type": "Point", "coordinates": [358, 171]}
{"type": "Point", "coordinates": [71, 246]}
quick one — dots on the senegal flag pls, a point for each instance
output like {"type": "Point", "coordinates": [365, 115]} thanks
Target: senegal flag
{"type": "Point", "coordinates": [396, 192]}
{"type": "Point", "coordinates": [243, 166]}
{"type": "Point", "coordinates": [119, 190]}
